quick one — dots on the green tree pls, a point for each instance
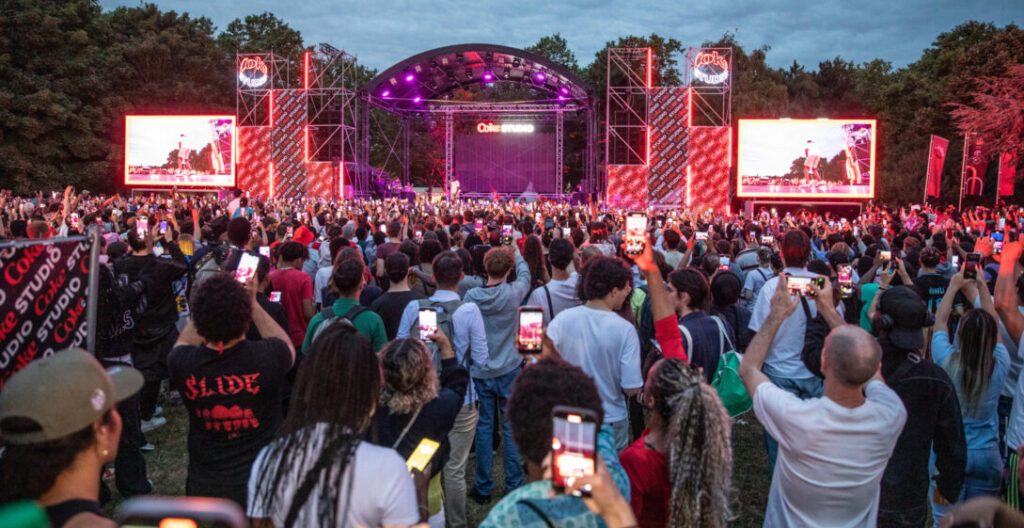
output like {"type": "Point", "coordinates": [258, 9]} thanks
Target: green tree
{"type": "Point", "coordinates": [51, 90]}
{"type": "Point", "coordinates": [556, 48]}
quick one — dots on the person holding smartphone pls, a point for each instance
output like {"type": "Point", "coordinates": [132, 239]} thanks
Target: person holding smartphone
{"type": "Point", "coordinates": [414, 407]}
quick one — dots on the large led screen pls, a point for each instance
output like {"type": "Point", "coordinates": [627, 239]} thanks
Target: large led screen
{"type": "Point", "coordinates": [186, 151]}
{"type": "Point", "coordinates": [806, 158]}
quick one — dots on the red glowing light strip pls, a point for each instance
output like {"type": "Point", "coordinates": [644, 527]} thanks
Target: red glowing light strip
{"type": "Point", "coordinates": [305, 72]}
{"type": "Point", "coordinates": [689, 107]}
{"type": "Point", "coordinates": [650, 66]}
{"type": "Point", "coordinates": [739, 159]}
{"type": "Point", "coordinates": [270, 177]}
{"type": "Point", "coordinates": [648, 145]}
{"type": "Point", "coordinates": [234, 141]}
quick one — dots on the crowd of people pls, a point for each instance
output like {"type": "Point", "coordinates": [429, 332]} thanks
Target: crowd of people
{"type": "Point", "coordinates": [881, 354]}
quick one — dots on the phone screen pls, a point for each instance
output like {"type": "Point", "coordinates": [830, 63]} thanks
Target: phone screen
{"type": "Point", "coordinates": [767, 240]}
{"type": "Point", "coordinates": [428, 323]}
{"type": "Point", "coordinates": [573, 446]}
{"type": "Point", "coordinates": [971, 265]}
{"type": "Point", "coordinates": [956, 262]}
{"type": "Point", "coordinates": [419, 235]}
{"type": "Point", "coordinates": [163, 227]}
{"type": "Point", "coordinates": [566, 232]}
{"type": "Point", "coordinates": [506, 233]}
{"type": "Point", "coordinates": [246, 267]}
{"type": "Point", "coordinates": [886, 255]}
{"type": "Point", "coordinates": [799, 285]}
{"type": "Point", "coordinates": [265, 251]}
{"type": "Point", "coordinates": [275, 297]}
{"type": "Point", "coordinates": [478, 225]}
{"type": "Point", "coordinates": [141, 225]}
{"type": "Point", "coordinates": [421, 456]}
{"type": "Point", "coordinates": [1002, 223]}
{"type": "Point", "coordinates": [531, 327]}
{"type": "Point", "coordinates": [702, 235]}
{"type": "Point", "coordinates": [845, 274]}
{"type": "Point", "coordinates": [636, 226]}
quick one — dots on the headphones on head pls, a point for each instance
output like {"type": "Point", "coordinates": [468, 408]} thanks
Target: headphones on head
{"type": "Point", "coordinates": [882, 322]}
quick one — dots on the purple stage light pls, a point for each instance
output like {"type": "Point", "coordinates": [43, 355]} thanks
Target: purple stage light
{"type": "Point", "coordinates": [565, 90]}
{"type": "Point", "coordinates": [410, 77]}
{"type": "Point", "coordinates": [386, 94]}
{"type": "Point", "coordinates": [561, 98]}
{"type": "Point", "coordinates": [540, 76]}
{"type": "Point", "coordinates": [488, 76]}
{"type": "Point", "coordinates": [417, 99]}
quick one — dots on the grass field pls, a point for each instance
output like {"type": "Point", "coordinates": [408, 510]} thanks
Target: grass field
{"type": "Point", "coordinates": [167, 468]}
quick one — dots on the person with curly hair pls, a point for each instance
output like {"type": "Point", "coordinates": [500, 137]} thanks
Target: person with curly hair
{"type": "Point", "coordinates": [680, 469]}
{"type": "Point", "coordinates": [231, 386]}
{"type": "Point", "coordinates": [595, 338]}
{"type": "Point", "coordinates": [415, 403]}
{"type": "Point", "coordinates": [539, 389]}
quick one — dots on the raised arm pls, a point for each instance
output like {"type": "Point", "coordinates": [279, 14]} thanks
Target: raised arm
{"type": "Point", "coordinates": [782, 306]}
{"type": "Point", "coordinates": [946, 305]}
{"type": "Point", "coordinates": [1006, 301]}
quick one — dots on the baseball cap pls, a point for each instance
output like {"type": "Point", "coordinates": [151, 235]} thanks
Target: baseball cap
{"type": "Point", "coordinates": [303, 235]}
{"type": "Point", "coordinates": [908, 312]}
{"type": "Point", "coordinates": [63, 393]}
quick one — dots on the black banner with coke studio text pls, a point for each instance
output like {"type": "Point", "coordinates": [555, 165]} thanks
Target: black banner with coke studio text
{"type": "Point", "coordinates": [43, 287]}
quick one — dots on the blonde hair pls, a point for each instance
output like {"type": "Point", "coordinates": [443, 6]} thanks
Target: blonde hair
{"type": "Point", "coordinates": [410, 380]}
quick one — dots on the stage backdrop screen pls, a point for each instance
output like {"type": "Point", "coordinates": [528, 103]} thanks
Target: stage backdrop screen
{"type": "Point", "coordinates": [186, 151]}
{"type": "Point", "coordinates": [508, 163]}
{"type": "Point", "coordinates": [806, 158]}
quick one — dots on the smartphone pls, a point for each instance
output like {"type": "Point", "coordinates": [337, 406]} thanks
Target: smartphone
{"type": "Point", "coordinates": [428, 323]}
{"type": "Point", "coordinates": [955, 262]}
{"type": "Point", "coordinates": [997, 242]}
{"type": "Point", "coordinates": [384, 228]}
{"type": "Point", "coordinates": [856, 231]}
{"type": "Point", "coordinates": [636, 227]}
{"type": "Point", "coordinates": [845, 273]}
{"type": "Point", "coordinates": [702, 235]}
{"type": "Point", "coordinates": [802, 285]}
{"type": "Point", "coordinates": [573, 445]}
{"type": "Point", "coordinates": [265, 251]}
{"type": "Point", "coordinates": [421, 456]}
{"type": "Point", "coordinates": [163, 226]}
{"type": "Point", "coordinates": [767, 240]}
{"type": "Point", "coordinates": [971, 265]}
{"type": "Point", "coordinates": [478, 225]}
{"type": "Point", "coordinates": [886, 255]}
{"type": "Point", "coordinates": [142, 226]}
{"type": "Point", "coordinates": [179, 512]}
{"type": "Point", "coordinates": [290, 232]}
{"type": "Point", "coordinates": [566, 232]}
{"type": "Point", "coordinates": [531, 328]}
{"type": "Point", "coordinates": [506, 234]}
{"type": "Point", "coordinates": [246, 267]}
{"type": "Point", "coordinates": [419, 236]}
{"type": "Point", "coordinates": [275, 297]}
{"type": "Point", "coordinates": [1002, 223]}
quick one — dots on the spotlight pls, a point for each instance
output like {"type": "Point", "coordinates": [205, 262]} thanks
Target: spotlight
{"type": "Point", "coordinates": [417, 99]}
{"type": "Point", "coordinates": [488, 76]}
{"type": "Point", "coordinates": [565, 90]}
{"type": "Point", "coordinates": [386, 94]}
{"type": "Point", "coordinates": [540, 76]}
{"type": "Point", "coordinates": [410, 78]}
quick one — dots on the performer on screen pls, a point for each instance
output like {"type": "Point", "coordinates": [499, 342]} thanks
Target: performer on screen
{"type": "Point", "coordinates": [454, 188]}
{"type": "Point", "coordinates": [811, 160]}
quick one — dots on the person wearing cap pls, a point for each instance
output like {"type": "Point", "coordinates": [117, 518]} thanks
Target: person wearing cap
{"type": "Point", "coordinates": [934, 423]}
{"type": "Point", "coordinates": [60, 426]}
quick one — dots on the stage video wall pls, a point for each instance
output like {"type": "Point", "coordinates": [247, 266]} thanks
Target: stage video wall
{"type": "Point", "coordinates": [183, 151]}
{"type": "Point", "coordinates": [505, 158]}
{"type": "Point", "coordinates": [806, 158]}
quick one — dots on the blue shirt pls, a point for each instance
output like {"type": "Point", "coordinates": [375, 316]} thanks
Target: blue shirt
{"type": "Point", "coordinates": [981, 428]}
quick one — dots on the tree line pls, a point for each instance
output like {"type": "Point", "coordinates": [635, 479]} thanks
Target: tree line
{"type": "Point", "coordinates": [70, 71]}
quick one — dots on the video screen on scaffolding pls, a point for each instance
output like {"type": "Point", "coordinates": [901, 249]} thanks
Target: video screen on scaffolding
{"type": "Point", "coordinates": [183, 151]}
{"type": "Point", "coordinates": [826, 158]}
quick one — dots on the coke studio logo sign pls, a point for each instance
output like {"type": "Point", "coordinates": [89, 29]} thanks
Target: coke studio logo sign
{"type": "Point", "coordinates": [710, 67]}
{"type": "Point", "coordinates": [504, 128]}
{"type": "Point", "coordinates": [253, 72]}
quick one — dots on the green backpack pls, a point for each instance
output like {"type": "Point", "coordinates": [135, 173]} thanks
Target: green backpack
{"type": "Point", "coordinates": [726, 382]}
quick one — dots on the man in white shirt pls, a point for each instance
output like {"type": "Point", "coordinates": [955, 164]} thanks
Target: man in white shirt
{"type": "Point", "coordinates": [595, 338]}
{"type": "Point", "coordinates": [470, 338]}
{"type": "Point", "coordinates": [560, 292]}
{"type": "Point", "coordinates": [819, 480]}
{"type": "Point", "coordinates": [784, 367]}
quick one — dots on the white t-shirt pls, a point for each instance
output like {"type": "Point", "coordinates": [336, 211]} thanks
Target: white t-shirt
{"type": "Point", "coordinates": [383, 493]}
{"type": "Point", "coordinates": [606, 347]}
{"type": "Point", "coordinates": [1015, 427]}
{"type": "Point", "coordinates": [784, 355]}
{"type": "Point", "coordinates": [563, 296]}
{"type": "Point", "coordinates": [831, 458]}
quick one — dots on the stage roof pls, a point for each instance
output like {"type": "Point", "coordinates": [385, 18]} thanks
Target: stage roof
{"type": "Point", "coordinates": [433, 75]}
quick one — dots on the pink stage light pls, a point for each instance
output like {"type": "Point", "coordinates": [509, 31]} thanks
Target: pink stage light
{"type": "Point", "coordinates": [386, 94]}
{"type": "Point", "coordinates": [565, 90]}
{"type": "Point", "coordinates": [410, 78]}
{"type": "Point", "coordinates": [417, 99]}
{"type": "Point", "coordinates": [488, 76]}
{"type": "Point", "coordinates": [540, 76]}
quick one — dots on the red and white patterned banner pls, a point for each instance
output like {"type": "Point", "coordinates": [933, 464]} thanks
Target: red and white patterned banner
{"type": "Point", "coordinates": [288, 143]}
{"type": "Point", "coordinates": [669, 154]}
{"type": "Point", "coordinates": [709, 167]}
{"type": "Point", "coordinates": [627, 186]}
{"type": "Point", "coordinates": [254, 160]}
{"type": "Point", "coordinates": [322, 174]}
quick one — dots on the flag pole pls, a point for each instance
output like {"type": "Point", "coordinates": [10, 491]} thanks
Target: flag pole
{"type": "Point", "coordinates": [963, 171]}
{"type": "Point", "coordinates": [928, 170]}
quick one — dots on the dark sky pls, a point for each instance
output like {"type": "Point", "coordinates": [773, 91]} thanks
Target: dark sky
{"type": "Point", "coordinates": [383, 32]}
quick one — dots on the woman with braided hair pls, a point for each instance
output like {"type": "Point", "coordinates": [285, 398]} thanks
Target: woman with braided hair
{"type": "Point", "coordinates": [317, 472]}
{"type": "Point", "coordinates": [680, 469]}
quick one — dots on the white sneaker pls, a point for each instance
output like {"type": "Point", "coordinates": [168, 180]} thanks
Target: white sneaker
{"type": "Point", "coordinates": [153, 423]}
{"type": "Point", "coordinates": [148, 447]}
{"type": "Point", "coordinates": [159, 411]}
